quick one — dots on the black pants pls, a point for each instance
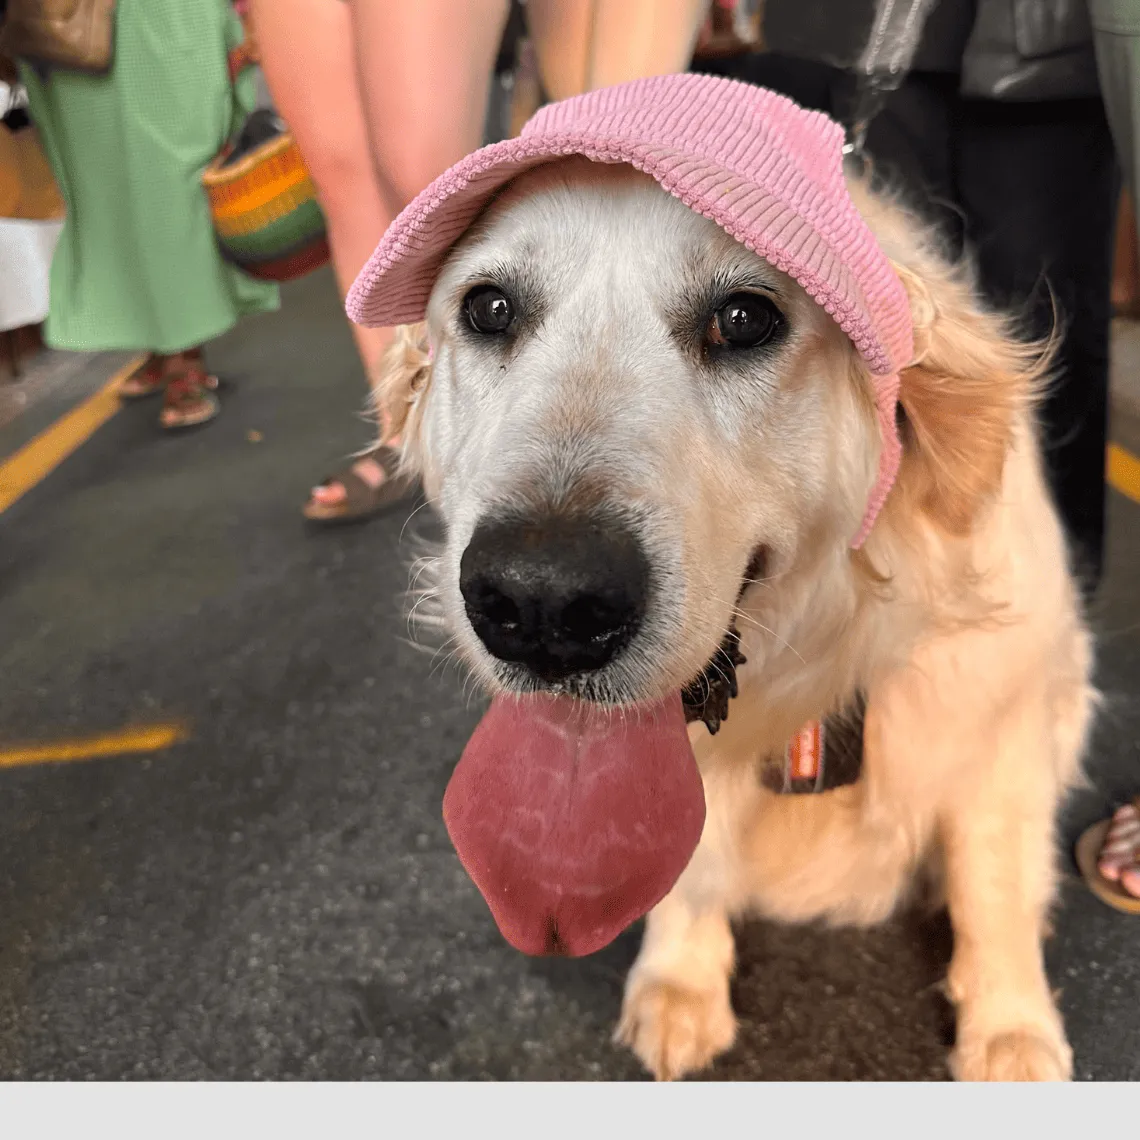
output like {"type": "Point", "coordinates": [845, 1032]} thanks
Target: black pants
{"type": "Point", "coordinates": [1030, 190]}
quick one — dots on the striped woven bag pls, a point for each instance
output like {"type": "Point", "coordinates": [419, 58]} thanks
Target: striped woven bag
{"type": "Point", "coordinates": [262, 199]}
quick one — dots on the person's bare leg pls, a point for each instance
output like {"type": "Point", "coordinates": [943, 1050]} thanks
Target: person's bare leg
{"type": "Point", "coordinates": [306, 53]}
{"type": "Point", "coordinates": [562, 31]}
{"type": "Point", "coordinates": [586, 44]}
{"type": "Point", "coordinates": [636, 39]}
{"type": "Point", "coordinates": [307, 48]}
{"type": "Point", "coordinates": [425, 70]}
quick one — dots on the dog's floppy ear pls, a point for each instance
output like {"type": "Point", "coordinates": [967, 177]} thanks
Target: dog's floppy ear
{"type": "Point", "coordinates": [968, 380]}
{"type": "Point", "coordinates": [403, 377]}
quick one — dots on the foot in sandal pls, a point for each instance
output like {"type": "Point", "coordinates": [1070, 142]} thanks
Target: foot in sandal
{"type": "Point", "coordinates": [1108, 855]}
{"type": "Point", "coordinates": [146, 380]}
{"type": "Point", "coordinates": [1119, 860]}
{"type": "Point", "coordinates": [189, 399]}
{"type": "Point", "coordinates": [182, 407]}
{"type": "Point", "coordinates": [371, 484]}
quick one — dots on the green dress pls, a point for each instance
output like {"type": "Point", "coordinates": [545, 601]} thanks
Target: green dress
{"type": "Point", "coordinates": [137, 266]}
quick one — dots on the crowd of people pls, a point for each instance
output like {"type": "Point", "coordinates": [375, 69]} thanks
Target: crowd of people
{"type": "Point", "coordinates": [1012, 140]}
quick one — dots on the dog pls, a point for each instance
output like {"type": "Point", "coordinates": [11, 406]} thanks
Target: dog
{"type": "Point", "coordinates": [684, 441]}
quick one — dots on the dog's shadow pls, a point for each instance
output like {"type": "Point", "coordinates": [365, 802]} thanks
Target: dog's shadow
{"type": "Point", "coordinates": [813, 1003]}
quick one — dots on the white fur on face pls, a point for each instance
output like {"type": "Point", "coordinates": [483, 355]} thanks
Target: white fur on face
{"type": "Point", "coordinates": [605, 397]}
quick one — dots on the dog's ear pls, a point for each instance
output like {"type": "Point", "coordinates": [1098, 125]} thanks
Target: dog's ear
{"type": "Point", "coordinates": [403, 377]}
{"type": "Point", "coordinates": [969, 379]}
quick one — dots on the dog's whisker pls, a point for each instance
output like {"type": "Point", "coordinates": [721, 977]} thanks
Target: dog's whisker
{"type": "Point", "coordinates": [445, 654]}
{"type": "Point", "coordinates": [421, 507]}
{"type": "Point", "coordinates": [741, 615]}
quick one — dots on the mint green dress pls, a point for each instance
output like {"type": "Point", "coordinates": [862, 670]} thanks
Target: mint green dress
{"type": "Point", "coordinates": [137, 266]}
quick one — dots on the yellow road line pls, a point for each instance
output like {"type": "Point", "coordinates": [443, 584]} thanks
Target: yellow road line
{"type": "Point", "coordinates": [42, 455]}
{"type": "Point", "coordinates": [137, 738]}
{"type": "Point", "coordinates": [1124, 472]}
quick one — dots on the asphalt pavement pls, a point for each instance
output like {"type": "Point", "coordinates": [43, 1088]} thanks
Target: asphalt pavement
{"type": "Point", "coordinates": [275, 896]}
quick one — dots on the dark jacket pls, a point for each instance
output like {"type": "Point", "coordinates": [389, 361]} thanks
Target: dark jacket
{"type": "Point", "coordinates": [1011, 50]}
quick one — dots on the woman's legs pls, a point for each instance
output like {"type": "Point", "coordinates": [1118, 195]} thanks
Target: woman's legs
{"type": "Point", "coordinates": [636, 39]}
{"type": "Point", "coordinates": [562, 31]}
{"type": "Point", "coordinates": [307, 51]}
{"type": "Point", "coordinates": [381, 98]}
{"type": "Point", "coordinates": [425, 72]}
{"type": "Point", "coordinates": [586, 44]}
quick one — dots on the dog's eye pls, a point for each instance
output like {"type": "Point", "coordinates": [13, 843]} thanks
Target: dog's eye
{"type": "Point", "coordinates": [745, 320]}
{"type": "Point", "coordinates": [489, 310]}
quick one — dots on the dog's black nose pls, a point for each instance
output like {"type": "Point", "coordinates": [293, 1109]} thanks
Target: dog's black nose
{"type": "Point", "coordinates": [559, 596]}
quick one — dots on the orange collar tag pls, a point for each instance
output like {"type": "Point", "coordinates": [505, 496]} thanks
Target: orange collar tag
{"type": "Point", "coordinates": [803, 759]}
{"type": "Point", "coordinates": [824, 754]}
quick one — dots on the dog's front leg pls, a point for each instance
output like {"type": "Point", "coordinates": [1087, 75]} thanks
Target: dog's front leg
{"type": "Point", "coordinates": [677, 1014]}
{"type": "Point", "coordinates": [998, 836]}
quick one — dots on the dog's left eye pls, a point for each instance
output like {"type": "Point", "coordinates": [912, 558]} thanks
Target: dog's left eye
{"type": "Point", "coordinates": [745, 320]}
{"type": "Point", "coordinates": [489, 310]}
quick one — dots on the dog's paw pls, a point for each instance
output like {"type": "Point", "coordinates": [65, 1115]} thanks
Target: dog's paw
{"type": "Point", "coordinates": [1017, 1055]}
{"type": "Point", "coordinates": [675, 1030]}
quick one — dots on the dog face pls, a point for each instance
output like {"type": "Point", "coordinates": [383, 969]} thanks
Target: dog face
{"type": "Point", "coordinates": [630, 418]}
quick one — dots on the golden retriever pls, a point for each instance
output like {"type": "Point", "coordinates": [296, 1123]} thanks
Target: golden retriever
{"type": "Point", "coordinates": [742, 475]}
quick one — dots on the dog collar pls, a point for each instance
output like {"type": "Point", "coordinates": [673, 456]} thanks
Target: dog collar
{"type": "Point", "coordinates": [823, 755]}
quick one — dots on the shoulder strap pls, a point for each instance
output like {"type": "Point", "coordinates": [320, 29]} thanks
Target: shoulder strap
{"type": "Point", "coordinates": [245, 54]}
{"type": "Point", "coordinates": [891, 46]}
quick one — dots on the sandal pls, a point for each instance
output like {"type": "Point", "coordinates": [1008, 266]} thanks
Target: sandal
{"type": "Point", "coordinates": [362, 500]}
{"type": "Point", "coordinates": [146, 380]}
{"type": "Point", "coordinates": [1113, 845]}
{"type": "Point", "coordinates": [190, 400]}
{"type": "Point", "coordinates": [150, 377]}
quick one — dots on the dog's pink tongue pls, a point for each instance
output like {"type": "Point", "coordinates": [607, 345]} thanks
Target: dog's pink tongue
{"type": "Point", "coordinates": [572, 821]}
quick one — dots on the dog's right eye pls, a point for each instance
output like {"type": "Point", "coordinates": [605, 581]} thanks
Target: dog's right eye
{"type": "Point", "coordinates": [745, 320]}
{"type": "Point", "coordinates": [489, 310]}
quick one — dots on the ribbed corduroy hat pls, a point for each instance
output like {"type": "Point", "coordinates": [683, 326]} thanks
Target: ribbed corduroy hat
{"type": "Point", "coordinates": [765, 170]}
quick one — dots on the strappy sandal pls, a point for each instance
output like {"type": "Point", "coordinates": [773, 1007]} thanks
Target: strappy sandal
{"type": "Point", "coordinates": [190, 396]}
{"type": "Point", "coordinates": [150, 378]}
{"type": "Point", "coordinates": [1122, 833]}
{"type": "Point", "coordinates": [363, 501]}
{"type": "Point", "coordinates": [146, 380]}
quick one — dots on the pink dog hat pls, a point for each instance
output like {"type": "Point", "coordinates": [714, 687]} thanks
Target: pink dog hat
{"type": "Point", "coordinates": [765, 170]}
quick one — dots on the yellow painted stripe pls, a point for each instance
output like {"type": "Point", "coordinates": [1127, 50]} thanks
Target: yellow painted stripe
{"type": "Point", "coordinates": [138, 738]}
{"type": "Point", "coordinates": [42, 455]}
{"type": "Point", "coordinates": [1124, 472]}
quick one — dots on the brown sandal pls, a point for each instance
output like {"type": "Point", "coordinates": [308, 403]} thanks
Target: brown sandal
{"type": "Point", "coordinates": [190, 396]}
{"type": "Point", "coordinates": [1090, 848]}
{"type": "Point", "coordinates": [146, 380]}
{"type": "Point", "coordinates": [361, 500]}
{"type": "Point", "coordinates": [150, 378]}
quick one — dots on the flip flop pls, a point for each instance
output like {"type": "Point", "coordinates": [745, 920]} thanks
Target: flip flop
{"type": "Point", "coordinates": [361, 500]}
{"type": "Point", "coordinates": [1088, 852]}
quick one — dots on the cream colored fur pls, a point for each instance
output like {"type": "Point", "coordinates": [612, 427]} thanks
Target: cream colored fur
{"type": "Point", "coordinates": [960, 618]}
